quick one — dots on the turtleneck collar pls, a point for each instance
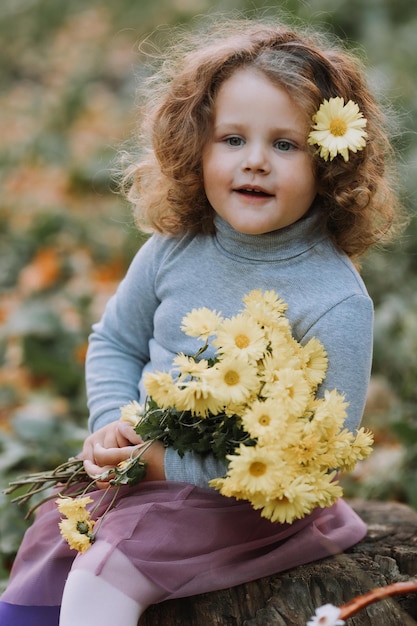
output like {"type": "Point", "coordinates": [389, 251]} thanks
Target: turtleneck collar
{"type": "Point", "coordinates": [277, 245]}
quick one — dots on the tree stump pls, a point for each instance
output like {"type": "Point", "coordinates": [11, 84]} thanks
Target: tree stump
{"type": "Point", "coordinates": [386, 555]}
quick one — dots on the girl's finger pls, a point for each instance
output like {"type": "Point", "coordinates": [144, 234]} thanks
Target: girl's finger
{"type": "Point", "coordinates": [127, 431]}
{"type": "Point", "coordinates": [94, 470]}
{"type": "Point", "coordinates": [110, 456]}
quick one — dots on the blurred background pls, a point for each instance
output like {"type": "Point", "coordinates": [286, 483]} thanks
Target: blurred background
{"type": "Point", "coordinates": [69, 71]}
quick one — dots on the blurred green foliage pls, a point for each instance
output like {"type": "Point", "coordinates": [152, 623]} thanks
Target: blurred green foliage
{"type": "Point", "coordinates": [67, 95]}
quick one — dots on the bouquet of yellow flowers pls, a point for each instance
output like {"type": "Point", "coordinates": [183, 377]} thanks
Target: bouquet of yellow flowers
{"type": "Point", "coordinates": [254, 405]}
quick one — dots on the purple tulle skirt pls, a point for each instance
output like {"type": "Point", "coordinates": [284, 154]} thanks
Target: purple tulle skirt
{"type": "Point", "coordinates": [185, 539]}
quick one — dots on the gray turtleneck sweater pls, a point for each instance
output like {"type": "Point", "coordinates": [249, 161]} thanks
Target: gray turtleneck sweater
{"type": "Point", "coordinates": [140, 329]}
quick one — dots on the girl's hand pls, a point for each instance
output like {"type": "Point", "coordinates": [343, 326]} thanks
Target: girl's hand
{"type": "Point", "coordinates": [112, 444]}
{"type": "Point", "coordinates": [154, 455]}
{"type": "Point", "coordinates": [107, 438]}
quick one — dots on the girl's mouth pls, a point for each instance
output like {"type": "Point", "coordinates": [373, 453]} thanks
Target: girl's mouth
{"type": "Point", "coordinates": [253, 192]}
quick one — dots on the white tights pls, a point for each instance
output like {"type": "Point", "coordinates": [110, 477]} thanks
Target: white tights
{"type": "Point", "coordinates": [90, 600]}
{"type": "Point", "coordinates": [119, 595]}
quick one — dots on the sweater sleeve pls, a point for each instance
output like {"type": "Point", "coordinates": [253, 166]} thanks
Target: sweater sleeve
{"type": "Point", "coordinates": [192, 468]}
{"type": "Point", "coordinates": [119, 344]}
{"type": "Point", "coordinates": [119, 351]}
{"type": "Point", "coordinates": [346, 331]}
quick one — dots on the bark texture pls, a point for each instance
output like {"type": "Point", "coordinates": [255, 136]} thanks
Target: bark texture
{"type": "Point", "coordinates": [386, 555]}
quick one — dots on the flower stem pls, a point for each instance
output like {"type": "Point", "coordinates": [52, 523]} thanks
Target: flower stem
{"type": "Point", "coordinates": [68, 475]}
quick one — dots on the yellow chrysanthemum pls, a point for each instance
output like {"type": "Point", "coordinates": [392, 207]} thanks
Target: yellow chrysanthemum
{"type": "Point", "coordinates": [298, 495]}
{"type": "Point", "coordinates": [188, 366]}
{"type": "Point", "coordinates": [74, 508]}
{"type": "Point", "coordinates": [267, 421]}
{"type": "Point", "coordinates": [161, 387]}
{"type": "Point", "coordinates": [131, 412]}
{"type": "Point", "coordinates": [234, 379]}
{"type": "Point", "coordinates": [327, 488]}
{"type": "Point", "coordinates": [230, 487]}
{"type": "Point", "coordinates": [279, 336]}
{"type": "Point", "coordinates": [308, 448]}
{"type": "Point", "coordinates": [315, 361]}
{"type": "Point", "coordinates": [240, 336]}
{"type": "Point", "coordinates": [201, 323]}
{"type": "Point", "coordinates": [329, 413]}
{"type": "Point", "coordinates": [335, 452]}
{"type": "Point", "coordinates": [358, 449]}
{"type": "Point", "coordinates": [338, 128]}
{"type": "Point", "coordinates": [254, 469]}
{"type": "Point", "coordinates": [286, 354]}
{"type": "Point", "coordinates": [297, 500]}
{"type": "Point", "coordinates": [199, 397]}
{"type": "Point", "coordinates": [290, 389]}
{"type": "Point", "coordinates": [264, 307]}
{"type": "Point", "coordinates": [362, 444]}
{"type": "Point", "coordinates": [77, 533]}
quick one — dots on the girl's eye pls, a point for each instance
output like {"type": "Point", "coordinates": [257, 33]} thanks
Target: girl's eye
{"type": "Point", "coordinates": [234, 141]}
{"type": "Point", "coordinates": [284, 145]}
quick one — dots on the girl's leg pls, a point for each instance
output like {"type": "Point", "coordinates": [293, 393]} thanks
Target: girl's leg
{"type": "Point", "coordinates": [118, 594]}
{"type": "Point", "coordinates": [90, 600]}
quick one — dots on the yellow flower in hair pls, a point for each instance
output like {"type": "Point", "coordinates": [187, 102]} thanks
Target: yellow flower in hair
{"type": "Point", "coordinates": [338, 128]}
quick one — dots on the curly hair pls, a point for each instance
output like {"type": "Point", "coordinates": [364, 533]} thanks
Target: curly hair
{"type": "Point", "coordinates": [357, 201]}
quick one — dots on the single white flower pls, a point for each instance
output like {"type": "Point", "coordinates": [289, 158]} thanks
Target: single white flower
{"type": "Point", "coordinates": [326, 615]}
{"type": "Point", "coordinates": [338, 128]}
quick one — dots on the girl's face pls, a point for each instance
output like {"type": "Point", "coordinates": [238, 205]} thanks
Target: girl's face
{"type": "Point", "coordinates": [258, 174]}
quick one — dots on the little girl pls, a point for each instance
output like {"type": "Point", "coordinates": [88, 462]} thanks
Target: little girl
{"type": "Point", "coordinates": [264, 167]}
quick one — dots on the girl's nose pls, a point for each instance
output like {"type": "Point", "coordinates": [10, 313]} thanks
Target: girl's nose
{"type": "Point", "coordinates": [256, 160]}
